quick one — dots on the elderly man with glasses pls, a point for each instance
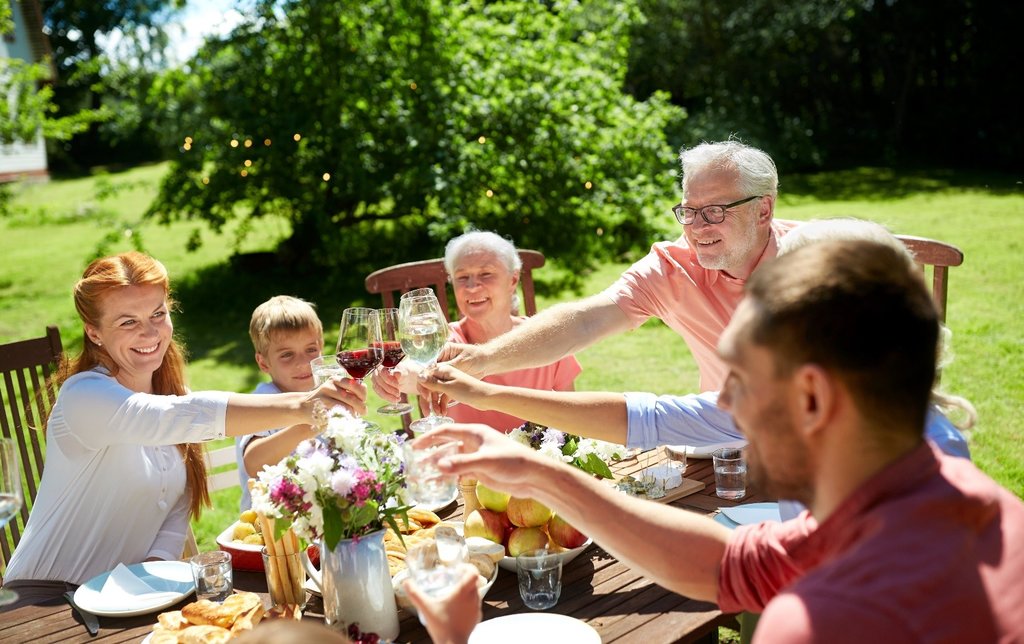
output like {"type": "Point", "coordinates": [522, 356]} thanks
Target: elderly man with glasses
{"type": "Point", "coordinates": [693, 284]}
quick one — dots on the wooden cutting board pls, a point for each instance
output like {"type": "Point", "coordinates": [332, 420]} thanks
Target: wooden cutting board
{"type": "Point", "coordinates": [642, 461]}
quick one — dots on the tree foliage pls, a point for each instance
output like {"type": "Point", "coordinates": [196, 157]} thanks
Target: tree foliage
{"type": "Point", "coordinates": [839, 81]}
{"type": "Point", "coordinates": [382, 128]}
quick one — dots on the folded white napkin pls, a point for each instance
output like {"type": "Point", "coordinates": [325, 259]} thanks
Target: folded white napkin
{"type": "Point", "coordinates": [124, 589]}
{"type": "Point", "coordinates": [753, 513]}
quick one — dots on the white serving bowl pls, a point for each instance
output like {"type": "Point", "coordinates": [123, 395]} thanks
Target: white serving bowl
{"type": "Point", "coordinates": [509, 563]}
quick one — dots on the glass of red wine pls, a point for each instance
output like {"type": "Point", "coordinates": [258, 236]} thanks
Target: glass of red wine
{"type": "Point", "coordinates": [360, 349]}
{"type": "Point", "coordinates": [393, 354]}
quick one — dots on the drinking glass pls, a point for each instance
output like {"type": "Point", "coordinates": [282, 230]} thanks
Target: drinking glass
{"type": "Point", "coordinates": [422, 331]}
{"type": "Point", "coordinates": [418, 292]}
{"type": "Point", "coordinates": [540, 578]}
{"type": "Point", "coordinates": [730, 473]}
{"type": "Point", "coordinates": [393, 354]}
{"type": "Point", "coordinates": [213, 575]}
{"type": "Point", "coordinates": [326, 367]}
{"type": "Point", "coordinates": [434, 565]}
{"type": "Point", "coordinates": [10, 497]}
{"type": "Point", "coordinates": [427, 485]}
{"type": "Point", "coordinates": [359, 345]}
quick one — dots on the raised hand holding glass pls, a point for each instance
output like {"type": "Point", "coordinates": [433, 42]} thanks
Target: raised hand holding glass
{"type": "Point", "coordinates": [422, 331]}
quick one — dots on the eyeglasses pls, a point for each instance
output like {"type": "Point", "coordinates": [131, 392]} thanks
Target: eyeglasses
{"type": "Point", "coordinates": [713, 214]}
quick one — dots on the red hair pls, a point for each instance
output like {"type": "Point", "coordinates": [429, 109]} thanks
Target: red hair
{"type": "Point", "coordinates": [107, 275]}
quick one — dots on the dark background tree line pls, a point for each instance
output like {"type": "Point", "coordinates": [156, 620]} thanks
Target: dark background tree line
{"type": "Point", "coordinates": [554, 122]}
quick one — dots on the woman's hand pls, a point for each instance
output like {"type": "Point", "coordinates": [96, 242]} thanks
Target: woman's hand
{"type": "Point", "coordinates": [450, 619]}
{"type": "Point", "coordinates": [468, 358]}
{"type": "Point", "coordinates": [390, 384]}
{"type": "Point", "coordinates": [337, 390]}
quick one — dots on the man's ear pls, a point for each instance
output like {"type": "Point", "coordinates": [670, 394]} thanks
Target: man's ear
{"type": "Point", "coordinates": [262, 362]}
{"type": "Point", "coordinates": [814, 398]}
{"type": "Point", "coordinates": [767, 208]}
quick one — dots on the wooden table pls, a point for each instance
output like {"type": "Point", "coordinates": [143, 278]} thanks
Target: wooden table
{"type": "Point", "coordinates": [620, 603]}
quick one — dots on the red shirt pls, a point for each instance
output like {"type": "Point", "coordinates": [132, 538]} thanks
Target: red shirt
{"type": "Point", "coordinates": [929, 550]}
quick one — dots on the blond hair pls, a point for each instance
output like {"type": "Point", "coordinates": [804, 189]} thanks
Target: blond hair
{"type": "Point", "coordinates": [282, 313]}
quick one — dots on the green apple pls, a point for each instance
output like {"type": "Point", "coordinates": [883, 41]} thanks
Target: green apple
{"type": "Point", "coordinates": [491, 499]}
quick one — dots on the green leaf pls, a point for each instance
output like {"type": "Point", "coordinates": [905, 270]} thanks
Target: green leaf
{"type": "Point", "coordinates": [597, 467]}
{"type": "Point", "coordinates": [333, 527]}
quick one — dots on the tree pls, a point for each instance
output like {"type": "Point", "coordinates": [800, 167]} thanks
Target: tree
{"type": "Point", "coordinates": [382, 129]}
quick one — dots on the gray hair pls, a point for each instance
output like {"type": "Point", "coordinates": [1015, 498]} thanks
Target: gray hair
{"type": "Point", "coordinates": [757, 172]}
{"type": "Point", "coordinates": [840, 228]}
{"type": "Point", "coordinates": [485, 241]}
{"type": "Point", "coordinates": [844, 228]}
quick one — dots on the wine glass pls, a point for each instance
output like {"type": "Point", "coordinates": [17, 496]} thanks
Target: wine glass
{"type": "Point", "coordinates": [422, 331]}
{"type": "Point", "coordinates": [393, 354]}
{"type": "Point", "coordinates": [418, 292]}
{"type": "Point", "coordinates": [359, 345]}
{"type": "Point", "coordinates": [10, 498]}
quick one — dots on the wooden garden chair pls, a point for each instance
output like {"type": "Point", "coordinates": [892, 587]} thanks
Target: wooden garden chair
{"type": "Point", "coordinates": [28, 395]}
{"type": "Point", "coordinates": [392, 281]}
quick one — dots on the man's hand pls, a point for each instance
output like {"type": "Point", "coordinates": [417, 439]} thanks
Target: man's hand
{"type": "Point", "coordinates": [450, 619]}
{"type": "Point", "coordinates": [492, 458]}
{"type": "Point", "coordinates": [468, 358]}
{"type": "Point", "coordinates": [455, 385]}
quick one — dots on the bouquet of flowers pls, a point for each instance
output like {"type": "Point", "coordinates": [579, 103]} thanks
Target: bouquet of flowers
{"type": "Point", "coordinates": [346, 483]}
{"type": "Point", "coordinates": [588, 454]}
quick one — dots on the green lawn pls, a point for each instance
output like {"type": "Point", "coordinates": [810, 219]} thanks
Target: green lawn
{"type": "Point", "coordinates": [46, 243]}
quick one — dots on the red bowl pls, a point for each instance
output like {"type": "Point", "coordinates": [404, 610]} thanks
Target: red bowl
{"type": "Point", "coordinates": [244, 556]}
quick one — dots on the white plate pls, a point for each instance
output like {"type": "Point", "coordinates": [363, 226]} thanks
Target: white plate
{"type": "Point", "coordinates": [752, 513]}
{"type": "Point", "coordinates": [438, 508]}
{"type": "Point", "coordinates": [173, 576]}
{"type": "Point", "coordinates": [509, 563]}
{"type": "Point", "coordinates": [538, 627]}
{"type": "Point", "coordinates": [702, 451]}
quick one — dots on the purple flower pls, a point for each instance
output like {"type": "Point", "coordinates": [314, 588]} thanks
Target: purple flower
{"type": "Point", "coordinates": [366, 485]}
{"type": "Point", "coordinates": [288, 495]}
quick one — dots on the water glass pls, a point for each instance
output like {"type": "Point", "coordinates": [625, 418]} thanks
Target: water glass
{"type": "Point", "coordinates": [326, 367]}
{"type": "Point", "coordinates": [730, 473]}
{"type": "Point", "coordinates": [213, 576]}
{"type": "Point", "coordinates": [540, 578]}
{"type": "Point", "coordinates": [434, 566]}
{"type": "Point", "coordinates": [286, 578]}
{"type": "Point", "coordinates": [426, 483]}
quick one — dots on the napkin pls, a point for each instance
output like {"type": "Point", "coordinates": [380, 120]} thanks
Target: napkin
{"type": "Point", "coordinates": [752, 513]}
{"type": "Point", "coordinates": [126, 590]}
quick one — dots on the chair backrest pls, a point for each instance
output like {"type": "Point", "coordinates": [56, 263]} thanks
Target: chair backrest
{"type": "Point", "coordinates": [218, 478]}
{"type": "Point", "coordinates": [401, 278]}
{"type": "Point", "coordinates": [939, 256]}
{"type": "Point", "coordinates": [25, 367]}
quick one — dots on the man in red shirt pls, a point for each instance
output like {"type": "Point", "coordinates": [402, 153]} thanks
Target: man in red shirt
{"type": "Point", "coordinates": [831, 359]}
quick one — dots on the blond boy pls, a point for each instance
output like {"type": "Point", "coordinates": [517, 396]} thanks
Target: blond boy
{"type": "Point", "coordinates": [286, 334]}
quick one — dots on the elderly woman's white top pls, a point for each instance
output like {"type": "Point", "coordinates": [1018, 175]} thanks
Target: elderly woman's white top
{"type": "Point", "coordinates": [113, 487]}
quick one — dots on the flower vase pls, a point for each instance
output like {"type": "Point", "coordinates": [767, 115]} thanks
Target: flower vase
{"type": "Point", "coordinates": [357, 586]}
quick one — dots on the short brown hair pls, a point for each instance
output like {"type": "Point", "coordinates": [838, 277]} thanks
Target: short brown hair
{"type": "Point", "coordinates": [281, 313]}
{"type": "Point", "coordinates": [856, 308]}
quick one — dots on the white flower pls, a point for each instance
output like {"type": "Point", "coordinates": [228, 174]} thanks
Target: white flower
{"type": "Point", "coordinates": [520, 436]}
{"type": "Point", "coordinates": [553, 451]}
{"type": "Point", "coordinates": [345, 431]}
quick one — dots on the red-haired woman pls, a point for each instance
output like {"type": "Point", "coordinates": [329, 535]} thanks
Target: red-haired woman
{"type": "Point", "coordinates": [124, 468]}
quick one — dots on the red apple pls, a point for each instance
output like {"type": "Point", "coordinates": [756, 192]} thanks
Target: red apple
{"type": "Point", "coordinates": [487, 524]}
{"type": "Point", "coordinates": [525, 539]}
{"type": "Point", "coordinates": [491, 499]}
{"type": "Point", "coordinates": [564, 534]}
{"type": "Point", "coordinates": [527, 513]}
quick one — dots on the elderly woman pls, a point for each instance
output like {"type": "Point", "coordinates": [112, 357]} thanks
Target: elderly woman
{"type": "Point", "coordinates": [124, 468]}
{"type": "Point", "coordinates": [483, 269]}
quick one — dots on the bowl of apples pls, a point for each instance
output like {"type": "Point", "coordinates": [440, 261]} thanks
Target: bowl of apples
{"type": "Point", "coordinates": [244, 542]}
{"type": "Point", "coordinates": [522, 525]}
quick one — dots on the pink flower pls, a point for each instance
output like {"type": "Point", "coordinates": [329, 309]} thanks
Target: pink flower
{"type": "Point", "coordinates": [288, 495]}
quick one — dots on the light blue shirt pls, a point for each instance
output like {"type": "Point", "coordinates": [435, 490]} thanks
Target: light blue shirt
{"type": "Point", "coordinates": [697, 420]}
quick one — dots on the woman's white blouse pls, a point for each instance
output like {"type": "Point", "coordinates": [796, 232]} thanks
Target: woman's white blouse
{"type": "Point", "coordinates": [113, 485]}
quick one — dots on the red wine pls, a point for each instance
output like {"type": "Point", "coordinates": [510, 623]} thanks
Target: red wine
{"type": "Point", "coordinates": [393, 353]}
{"type": "Point", "coordinates": [360, 362]}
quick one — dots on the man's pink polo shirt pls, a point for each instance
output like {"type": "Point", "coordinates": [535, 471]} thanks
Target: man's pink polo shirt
{"type": "Point", "coordinates": [693, 301]}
